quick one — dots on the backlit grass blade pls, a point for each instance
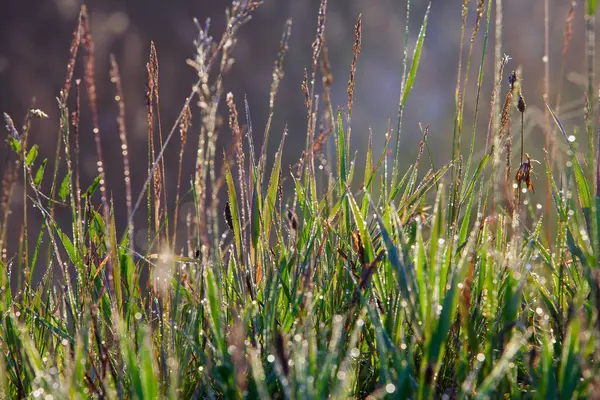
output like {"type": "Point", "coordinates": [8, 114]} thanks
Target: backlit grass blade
{"type": "Point", "coordinates": [32, 155]}
{"type": "Point", "coordinates": [269, 206]}
{"type": "Point", "coordinates": [409, 82]}
{"type": "Point", "coordinates": [64, 187]}
{"type": "Point", "coordinates": [215, 310]}
{"type": "Point", "coordinates": [469, 190]}
{"type": "Point", "coordinates": [592, 5]}
{"type": "Point", "coordinates": [39, 175]}
{"type": "Point", "coordinates": [342, 166]}
{"type": "Point", "coordinates": [569, 372]}
{"type": "Point", "coordinates": [490, 383]}
{"type": "Point", "coordinates": [233, 205]}
{"type": "Point", "coordinates": [362, 228]}
{"type": "Point", "coordinates": [416, 57]}
{"type": "Point", "coordinates": [255, 217]}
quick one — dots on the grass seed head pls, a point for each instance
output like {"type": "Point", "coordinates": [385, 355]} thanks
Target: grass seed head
{"type": "Point", "coordinates": [10, 126]}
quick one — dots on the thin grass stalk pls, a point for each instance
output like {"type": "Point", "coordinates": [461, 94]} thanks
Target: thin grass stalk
{"type": "Point", "coordinates": [567, 36]}
{"type": "Point", "coordinates": [184, 127]}
{"type": "Point", "coordinates": [458, 99]}
{"type": "Point", "coordinates": [76, 121]}
{"type": "Point", "coordinates": [508, 173]}
{"type": "Point", "coordinates": [89, 60]}
{"type": "Point", "coordinates": [150, 82]}
{"type": "Point", "coordinates": [9, 181]}
{"type": "Point", "coordinates": [479, 85]}
{"type": "Point", "coordinates": [24, 238]}
{"type": "Point", "coordinates": [209, 223]}
{"type": "Point", "coordinates": [240, 160]}
{"type": "Point", "coordinates": [498, 57]}
{"type": "Point", "coordinates": [73, 55]}
{"type": "Point", "coordinates": [488, 141]}
{"type": "Point", "coordinates": [593, 152]}
{"type": "Point", "coordinates": [400, 105]}
{"type": "Point", "coordinates": [115, 77]}
{"type": "Point", "coordinates": [278, 73]}
{"type": "Point", "coordinates": [7, 191]}
{"type": "Point", "coordinates": [461, 99]}
{"type": "Point", "coordinates": [352, 81]}
{"type": "Point", "coordinates": [590, 41]}
{"type": "Point", "coordinates": [598, 154]}
{"type": "Point", "coordinates": [233, 26]}
{"type": "Point", "coordinates": [88, 44]}
{"type": "Point", "coordinates": [163, 181]}
{"type": "Point", "coordinates": [309, 159]}
{"type": "Point", "coordinates": [547, 131]}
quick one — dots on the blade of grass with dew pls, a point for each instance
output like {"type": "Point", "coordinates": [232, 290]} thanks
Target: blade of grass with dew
{"type": "Point", "coordinates": [585, 195]}
{"type": "Point", "coordinates": [233, 204]}
{"type": "Point", "coordinates": [410, 78]}
{"type": "Point", "coordinates": [404, 275]}
{"type": "Point", "coordinates": [367, 178]}
{"type": "Point", "coordinates": [467, 194]}
{"type": "Point", "coordinates": [31, 155]}
{"type": "Point", "coordinates": [436, 337]}
{"type": "Point", "coordinates": [342, 167]}
{"type": "Point", "coordinates": [269, 206]}
{"type": "Point", "coordinates": [437, 234]}
{"type": "Point", "coordinates": [255, 218]}
{"type": "Point", "coordinates": [64, 187]}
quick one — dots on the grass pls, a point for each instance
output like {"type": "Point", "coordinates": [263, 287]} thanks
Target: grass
{"type": "Point", "coordinates": [440, 281]}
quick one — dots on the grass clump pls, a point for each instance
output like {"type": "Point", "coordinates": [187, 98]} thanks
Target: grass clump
{"type": "Point", "coordinates": [435, 282]}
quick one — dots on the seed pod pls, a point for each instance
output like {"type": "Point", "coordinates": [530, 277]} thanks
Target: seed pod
{"type": "Point", "coordinates": [523, 175]}
{"type": "Point", "coordinates": [292, 220]}
{"type": "Point", "coordinates": [521, 106]}
{"type": "Point", "coordinates": [358, 247]}
{"type": "Point", "coordinates": [227, 214]}
{"type": "Point", "coordinates": [512, 79]}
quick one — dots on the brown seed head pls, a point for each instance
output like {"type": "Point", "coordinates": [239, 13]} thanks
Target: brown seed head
{"type": "Point", "coordinates": [521, 106]}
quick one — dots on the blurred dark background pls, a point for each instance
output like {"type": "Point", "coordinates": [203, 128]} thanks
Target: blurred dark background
{"type": "Point", "coordinates": [35, 37]}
